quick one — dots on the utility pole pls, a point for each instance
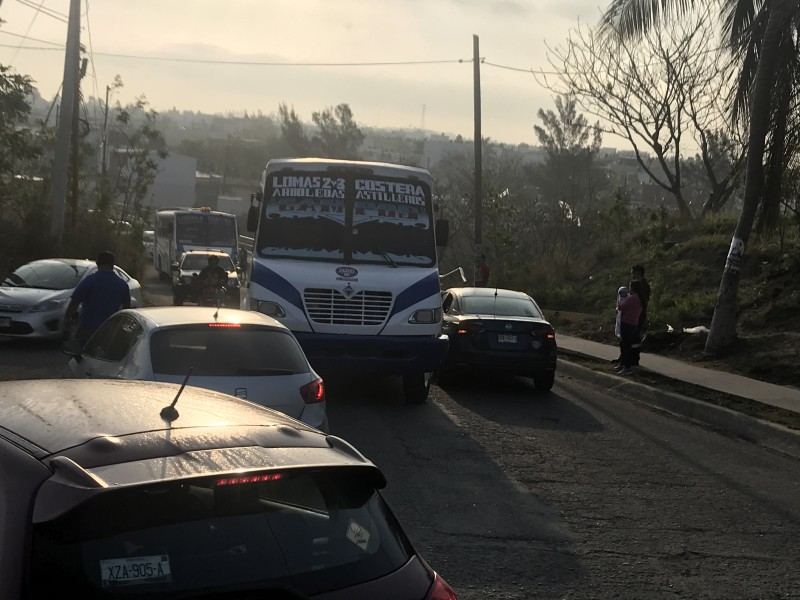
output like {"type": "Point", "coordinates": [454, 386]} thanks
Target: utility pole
{"type": "Point", "coordinates": [477, 193]}
{"type": "Point", "coordinates": [75, 156]}
{"type": "Point", "coordinates": [58, 191]}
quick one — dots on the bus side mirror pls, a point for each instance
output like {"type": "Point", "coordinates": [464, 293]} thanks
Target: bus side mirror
{"type": "Point", "coordinates": [442, 232]}
{"type": "Point", "coordinates": [252, 218]}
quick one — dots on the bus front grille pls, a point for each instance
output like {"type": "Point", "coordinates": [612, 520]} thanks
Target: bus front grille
{"type": "Point", "coordinates": [330, 307]}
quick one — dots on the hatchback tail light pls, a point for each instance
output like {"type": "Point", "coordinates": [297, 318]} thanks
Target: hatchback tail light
{"type": "Point", "coordinates": [313, 392]}
{"type": "Point", "coordinates": [440, 590]}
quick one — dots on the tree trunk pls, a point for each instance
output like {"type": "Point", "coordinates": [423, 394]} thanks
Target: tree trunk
{"type": "Point", "coordinates": [723, 323]}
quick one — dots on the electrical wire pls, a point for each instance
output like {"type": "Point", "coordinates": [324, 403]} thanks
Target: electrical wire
{"type": "Point", "coordinates": [91, 60]}
{"type": "Point", "coordinates": [27, 31]}
{"type": "Point", "coordinates": [45, 11]}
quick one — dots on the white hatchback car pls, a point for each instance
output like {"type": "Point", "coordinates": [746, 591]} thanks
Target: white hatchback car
{"type": "Point", "coordinates": [241, 353]}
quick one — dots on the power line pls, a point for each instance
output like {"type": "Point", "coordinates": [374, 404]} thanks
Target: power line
{"type": "Point", "coordinates": [57, 45]}
{"type": "Point", "coordinates": [27, 31]}
{"type": "Point", "coordinates": [283, 64]}
{"type": "Point", "coordinates": [45, 11]}
{"type": "Point", "coordinates": [91, 60]}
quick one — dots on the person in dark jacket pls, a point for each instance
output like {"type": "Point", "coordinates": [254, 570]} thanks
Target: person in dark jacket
{"type": "Point", "coordinates": [99, 295]}
{"type": "Point", "coordinates": [637, 274]}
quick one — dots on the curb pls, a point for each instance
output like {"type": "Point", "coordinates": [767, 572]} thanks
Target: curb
{"type": "Point", "coordinates": [724, 420]}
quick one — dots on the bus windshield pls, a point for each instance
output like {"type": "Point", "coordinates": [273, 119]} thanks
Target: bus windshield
{"type": "Point", "coordinates": [350, 218]}
{"type": "Point", "coordinates": [201, 229]}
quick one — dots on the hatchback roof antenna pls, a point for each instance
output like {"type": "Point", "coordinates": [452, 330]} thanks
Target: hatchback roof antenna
{"type": "Point", "coordinates": [170, 413]}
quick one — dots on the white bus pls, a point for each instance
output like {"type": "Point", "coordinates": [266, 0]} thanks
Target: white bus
{"type": "Point", "coordinates": [178, 230]}
{"type": "Point", "coordinates": [344, 254]}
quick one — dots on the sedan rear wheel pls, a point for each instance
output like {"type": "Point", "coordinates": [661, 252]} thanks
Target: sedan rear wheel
{"type": "Point", "coordinates": [544, 380]}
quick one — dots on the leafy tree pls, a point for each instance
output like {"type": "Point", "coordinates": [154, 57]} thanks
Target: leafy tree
{"type": "Point", "coordinates": [292, 131]}
{"type": "Point", "coordinates": [764, 34]}
{"type": "Point", "coordinates": [337, 136]}
{"type": "Point", "coordinates": [23, 173]}
{"type": "Point", "coordinates": [570, 144]}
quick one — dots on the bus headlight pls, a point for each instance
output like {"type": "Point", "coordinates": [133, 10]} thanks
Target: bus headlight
{"type": "Point", "coordinates": [272, 309]}
{"type": "Point", "coordinates": [426, 316]}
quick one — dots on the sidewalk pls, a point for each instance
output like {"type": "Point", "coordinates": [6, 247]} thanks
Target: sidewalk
{"type": "Point", "coordinates": [786, 398]}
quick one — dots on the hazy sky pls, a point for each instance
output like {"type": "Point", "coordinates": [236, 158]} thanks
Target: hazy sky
{"type": "Point", "coordinates": [207, 34]}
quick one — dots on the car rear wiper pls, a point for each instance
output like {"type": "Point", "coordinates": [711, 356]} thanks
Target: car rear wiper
{"type": "Point", "coordinates": [263, 371]}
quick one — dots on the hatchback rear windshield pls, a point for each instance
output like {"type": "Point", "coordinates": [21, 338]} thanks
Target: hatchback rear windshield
{"type": "Point", "coordinates": [222, 351]}
{"type": "Point", "coordinates": [311, 531]}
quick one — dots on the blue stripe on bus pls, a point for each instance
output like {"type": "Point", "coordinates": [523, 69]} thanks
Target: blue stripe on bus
{"type": "Point", "coordinates": [421, 290]}
{"type": "Point", "coordinates": [269, 279]}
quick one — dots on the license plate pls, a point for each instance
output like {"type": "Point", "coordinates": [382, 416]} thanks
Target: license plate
{"type": "Point", "coordinates": [507, 338]}
{"type": "Point", "coordinates": [5, 321]}
{"type": "Point", "coordinates": [135, 570]}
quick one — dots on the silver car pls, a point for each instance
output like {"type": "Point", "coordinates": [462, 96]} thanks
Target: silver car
{"type": "Point", "coordinates": [34, 297]}
{"type": "Point", "coordinates": [241, 353]}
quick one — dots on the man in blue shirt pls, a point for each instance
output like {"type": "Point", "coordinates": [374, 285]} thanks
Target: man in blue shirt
{"type": "Point", "coordinates": [101, 294]}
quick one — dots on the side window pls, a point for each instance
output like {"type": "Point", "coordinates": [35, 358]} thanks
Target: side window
{"type": "Point", "coordinates": [98, 345]}
{"type": "Point", "coordinates": [124, 338]}
{"type": "Point", "coordinates": [447, 302]}
{"type": "Point", "coordinates": [113, 339]}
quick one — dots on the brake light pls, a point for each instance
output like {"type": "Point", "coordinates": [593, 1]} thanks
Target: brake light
{"type": "Point", "coordinates": [226, 325]}
{"type": "Point", "coordinates": [467, 328]}
{"type": "Point", "coordinates": [547, 332]}
{"type": "Point", "coordinates": [249, 479]}
{"type": "Point", "coordinates": [313, 392]}
{"type": "Point", "coordinates": [440, 590]}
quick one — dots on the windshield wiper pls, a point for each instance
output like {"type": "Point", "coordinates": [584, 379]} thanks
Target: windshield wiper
{"type": "Point", "coordinates": [385, 255]}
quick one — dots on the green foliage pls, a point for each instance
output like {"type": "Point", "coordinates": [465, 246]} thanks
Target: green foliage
{"type": "Point", "coordinates": [23, 174]}
{"type": "Point", "coordinates": [337, 134]}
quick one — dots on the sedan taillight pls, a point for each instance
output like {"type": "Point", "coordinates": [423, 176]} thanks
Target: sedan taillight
{"type": "Point", "coordinates": [545, 332]}
{"type": "Point", "coordinates": [440, 590]}
{"type": "Point", "coordinates": [313, 392]}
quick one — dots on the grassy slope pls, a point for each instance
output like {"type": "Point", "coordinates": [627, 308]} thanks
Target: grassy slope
{"type": "Point", "coordinates": [684, 266]}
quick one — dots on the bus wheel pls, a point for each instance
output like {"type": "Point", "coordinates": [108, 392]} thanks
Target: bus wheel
{"type": "Point", "coordinates": [416, 387]}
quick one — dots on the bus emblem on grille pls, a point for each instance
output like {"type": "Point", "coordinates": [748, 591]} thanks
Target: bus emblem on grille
{"type": "Point", "coordinates": [346, 271]}
{"type": "Point", "coordinates": [348, 291]}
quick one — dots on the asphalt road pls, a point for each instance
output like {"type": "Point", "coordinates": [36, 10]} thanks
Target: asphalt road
{"type": "Point", "coordinates": [573, 494]}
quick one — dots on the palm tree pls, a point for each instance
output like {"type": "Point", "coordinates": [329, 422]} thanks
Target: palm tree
{"type": "Point", "coordinates": [764, 33]}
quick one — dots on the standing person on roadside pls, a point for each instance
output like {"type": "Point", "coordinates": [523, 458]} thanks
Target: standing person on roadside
{"type": "Point", "coordinates": [484, 267]}
{"type": "Point", "coordinates": [630, 309]}
{"type": "Point", "coordinates": [99, 295]}
{"type": "Point", "coordinates": [637, 274]}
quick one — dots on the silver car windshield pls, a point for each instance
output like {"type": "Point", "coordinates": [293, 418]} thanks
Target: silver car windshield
{"type": "Point", "coordinates": [46, 275]}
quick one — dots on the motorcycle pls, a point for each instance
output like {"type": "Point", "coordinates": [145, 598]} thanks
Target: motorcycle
{"type": "Point", "coordinates": [210, 293]}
